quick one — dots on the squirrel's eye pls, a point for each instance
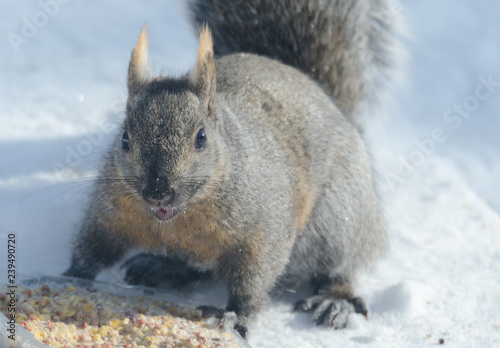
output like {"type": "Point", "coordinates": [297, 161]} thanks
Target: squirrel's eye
{"type": "Point", "coordinates": [125, 141]}
{"type": "Point", "coordinates": [201, 139]}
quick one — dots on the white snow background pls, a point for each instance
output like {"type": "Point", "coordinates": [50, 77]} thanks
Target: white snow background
{"type": "Point", "coordinates": [62, 92]}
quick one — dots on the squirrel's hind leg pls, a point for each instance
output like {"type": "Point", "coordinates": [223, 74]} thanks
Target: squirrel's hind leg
{"type": "Point", "coordinates": [333, 302]}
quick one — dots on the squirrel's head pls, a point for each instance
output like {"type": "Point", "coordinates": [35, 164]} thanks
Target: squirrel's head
{"type": "Point", "coordinates": [170, 153]}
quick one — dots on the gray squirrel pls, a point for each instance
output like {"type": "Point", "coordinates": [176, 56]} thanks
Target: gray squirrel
{"type": "Point", "coordinates": [252, 166]}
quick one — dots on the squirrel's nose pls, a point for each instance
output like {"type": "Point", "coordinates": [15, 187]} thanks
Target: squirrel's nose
{"type": "Point", "coordinates": [158, 197]}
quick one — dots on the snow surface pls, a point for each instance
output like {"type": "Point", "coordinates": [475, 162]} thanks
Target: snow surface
{"type": "Point", "coordinates": [62, 95]}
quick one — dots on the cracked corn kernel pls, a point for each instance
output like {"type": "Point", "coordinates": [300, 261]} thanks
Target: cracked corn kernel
{"type": "Point", "coordinates": [115, 324]}
{"type": "Point", "coordinates": [78, 317]}
{"type": "Point", "coordinates": [68, 313]}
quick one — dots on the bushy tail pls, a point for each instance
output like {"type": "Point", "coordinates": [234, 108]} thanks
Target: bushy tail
{"type": "Point", "coordinates": [345, 45]}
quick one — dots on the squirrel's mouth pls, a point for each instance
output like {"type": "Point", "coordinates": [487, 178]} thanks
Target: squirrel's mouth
{"type": "Point", "coordinates": [164, 213]}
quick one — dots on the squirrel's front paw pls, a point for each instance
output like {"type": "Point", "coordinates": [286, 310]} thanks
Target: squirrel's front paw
{"type": "Point", "coordinates": [221, 319]}
{"type": "Point", "coordinates": [143, 269]}
{"type": "Point", "coordinates": [150, 270]}
{"type": "Point", "coordinates": [331, 311]}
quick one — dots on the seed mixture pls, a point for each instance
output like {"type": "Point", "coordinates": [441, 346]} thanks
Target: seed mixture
{"type": "Point", "coordinates": [81, 318]}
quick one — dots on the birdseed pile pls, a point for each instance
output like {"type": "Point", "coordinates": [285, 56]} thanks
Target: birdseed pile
{"type": "Point", "coordinates": [76, 317]}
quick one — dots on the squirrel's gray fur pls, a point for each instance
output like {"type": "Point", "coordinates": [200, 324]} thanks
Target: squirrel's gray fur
{"type": "Point", "coordinates": [265, 174]}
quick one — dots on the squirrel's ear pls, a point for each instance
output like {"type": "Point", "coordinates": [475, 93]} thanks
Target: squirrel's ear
{"type": "Point", "coordinates": [202, 77]}
{"type": "Point", "coordinates": [139, 70]}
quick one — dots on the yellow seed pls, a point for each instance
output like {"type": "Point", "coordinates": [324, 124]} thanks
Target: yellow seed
{"type": "Point", "coordinates": [140, 334]}
{"type": "Point", "coordinates": [115, 324]}
{"type": "Point", "coordinates": [44, 301]}
{"type": "Point", "coordinates": [71, 288]}
{"type": "Point", "coordinates": [88, 308]}
{"type": "Point", "coordinates": [68, 314]}
{"type": "Point", "coordinates": [104, 330]}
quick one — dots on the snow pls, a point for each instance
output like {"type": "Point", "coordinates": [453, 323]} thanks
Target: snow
{"type": "Point", "coordinates": [63, 91]}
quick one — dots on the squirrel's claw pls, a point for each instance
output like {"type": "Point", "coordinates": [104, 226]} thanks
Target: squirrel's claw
{"type": "Point", "coordinates": [360, 306]}
{"type": "Point", "coordinates": [221, 319]}
{"type": "Point", "coordinates": [330, 311]}
{"type": "Point", "coordinates": [211, 311]}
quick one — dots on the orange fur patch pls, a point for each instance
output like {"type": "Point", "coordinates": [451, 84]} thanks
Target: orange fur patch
{"type": "Point", "coordinates": [303, 199]}
{"type": "Point", "coordinates": [196, 232]}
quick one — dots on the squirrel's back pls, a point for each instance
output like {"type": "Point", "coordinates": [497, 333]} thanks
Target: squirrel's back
{"type": "Point", "coordinates": [346, 45]}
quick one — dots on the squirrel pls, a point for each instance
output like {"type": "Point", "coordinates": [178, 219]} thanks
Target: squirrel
{"type": "Point", "coordinates": [252, 166]}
